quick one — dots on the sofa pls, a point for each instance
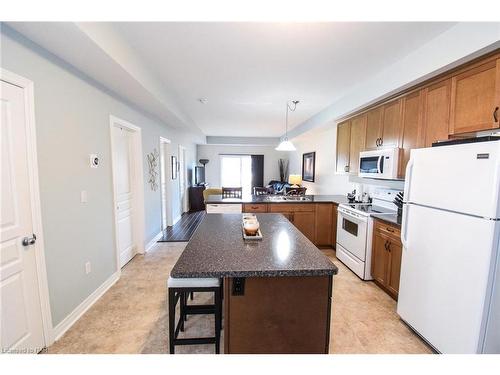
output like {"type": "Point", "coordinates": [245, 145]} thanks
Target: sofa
{"type": "Point", "coordinates": [277, 187]}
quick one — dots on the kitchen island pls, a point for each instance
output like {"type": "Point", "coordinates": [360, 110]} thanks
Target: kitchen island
{"type": "Point", "coordinates": [277, 291]}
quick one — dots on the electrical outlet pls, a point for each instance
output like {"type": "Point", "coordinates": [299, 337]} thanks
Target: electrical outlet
{"type": "Point", "coordinates": [88, 268]}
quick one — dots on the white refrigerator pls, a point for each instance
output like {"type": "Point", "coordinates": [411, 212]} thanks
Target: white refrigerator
{"type": "Point", "coordinates": [449, 290]}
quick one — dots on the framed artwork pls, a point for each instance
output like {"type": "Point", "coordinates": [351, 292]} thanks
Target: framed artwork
{"type": "Point", "coordinates": [308, 166]}
{"type": "Point", "coordinates": [174, 168]}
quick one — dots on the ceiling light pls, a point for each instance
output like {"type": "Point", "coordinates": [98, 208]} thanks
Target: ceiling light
{"type": "Point", "coordinates": [285, 144]}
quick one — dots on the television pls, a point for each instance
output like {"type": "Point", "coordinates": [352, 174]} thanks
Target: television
{"type": "Point", "coordinates": [199, 175]}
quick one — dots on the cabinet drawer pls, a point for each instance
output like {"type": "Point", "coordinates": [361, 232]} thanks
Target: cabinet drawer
{"type": "Point", "coordinates": [388, 229]}
{"type": "Point", "coordinates": [224, 208]}
{"type": "Point", "coordinates": [259, 207]}
{"type": "Point", "coordinates": [291, 207]}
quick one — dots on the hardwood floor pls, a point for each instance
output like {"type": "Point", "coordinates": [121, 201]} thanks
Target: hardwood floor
{"type": "Point", "coordinates": [132, 316]}
{"type": "Point", "coordinates": [184, 228]}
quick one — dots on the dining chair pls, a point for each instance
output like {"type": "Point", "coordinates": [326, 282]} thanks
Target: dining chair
{"type": "Point", "coordinates": [232, 192]}
{"type": "Point", "coordinates": [260, 191]}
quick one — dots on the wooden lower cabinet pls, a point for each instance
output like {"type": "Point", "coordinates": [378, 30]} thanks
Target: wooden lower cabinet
{"type": "Point", "coordinates": [386, 257]}
{"type": "Point", "coordinates": [302, 215]}
{"type": "Point", "coordinates": [324, 225]}
{"type": "Point", "coordinates": [334, 225]}
{"type": "Point", "coordinates": [287, 315]}
{"type": "Point", "coordinates": [254, 207]}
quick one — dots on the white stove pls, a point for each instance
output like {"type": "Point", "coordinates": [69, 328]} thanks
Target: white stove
{"type": "Point", "coordinates": [355, 230]}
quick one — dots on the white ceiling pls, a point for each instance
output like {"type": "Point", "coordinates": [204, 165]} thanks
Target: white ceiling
{"type": "Point", "coordinates": [246, 71]}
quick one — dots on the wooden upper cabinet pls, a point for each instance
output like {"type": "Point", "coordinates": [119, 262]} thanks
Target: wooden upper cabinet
{"type": "Point", "coordinates": [436, 112]}
{"type": "Point", "coordinates": [475, 98]}
{"type": "Point", "coordinates": [391, 124]}
{"type": "Point", "coordinates": [343, 145]}
{"type": "Point", "coordinates": [358, 134]}
{"type": "Point", "coordinates": [412, 128]}
{"type": "Point", "coordinates": [373, 128]}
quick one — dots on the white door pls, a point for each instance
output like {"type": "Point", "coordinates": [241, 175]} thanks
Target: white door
{"type": "Point", "coordinates": [182, 178]}
{"type": "Point", "coordinates": [124, 194]}
{"type": "Point", "coordinates": [21, 314]}
{"type": "Point", "coordinates": [445, 272]}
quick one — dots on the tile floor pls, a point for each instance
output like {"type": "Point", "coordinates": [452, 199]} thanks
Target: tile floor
{"type": "Point", "coordinates": [132, 316]}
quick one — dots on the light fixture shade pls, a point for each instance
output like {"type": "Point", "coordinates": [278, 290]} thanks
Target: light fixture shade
{"type": "Point", "coordinates": [295, 179]}
{"type": "Point", "coordinates": [285, 145]}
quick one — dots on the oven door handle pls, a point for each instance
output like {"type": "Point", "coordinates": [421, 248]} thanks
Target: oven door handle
{"type": "Point", "coordinates": [379, 162]}
{"type": "Point", "coordinates": [346, 213]}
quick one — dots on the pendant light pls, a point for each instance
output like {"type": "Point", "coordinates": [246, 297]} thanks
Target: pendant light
{"type": "Point", "coordinates": [285, 144]}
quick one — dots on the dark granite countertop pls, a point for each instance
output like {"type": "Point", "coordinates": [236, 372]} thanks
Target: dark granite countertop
{"type": "Point", "coordinates": [217, 249]}
{"type": "Point", "coordinates": [217, 199]}
{"type": "Point", "coordinates": [389, 218]}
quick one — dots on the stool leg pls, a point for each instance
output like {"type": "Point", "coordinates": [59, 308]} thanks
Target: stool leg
{"type": "Point", "coordinates": [171, 319]}
{"type": "Point", "coordinates": [218, 319]}
{"type": "Point", "coordinates": [192, 296]}
{"type": "Point", "coordinates": [182, 310]}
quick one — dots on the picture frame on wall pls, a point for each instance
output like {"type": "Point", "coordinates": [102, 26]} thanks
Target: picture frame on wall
{"type": "Point", "coordinates": [308, 166]}
{"type": "Point", "coordinates": [174, 168]}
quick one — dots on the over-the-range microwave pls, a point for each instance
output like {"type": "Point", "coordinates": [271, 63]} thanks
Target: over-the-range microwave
{"type": "Point", "coordinates": [381, 163]}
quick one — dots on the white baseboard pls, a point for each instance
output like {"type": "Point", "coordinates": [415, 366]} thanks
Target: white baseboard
{"type": "Point", "coordinates": [71, 319]}
{"type": "Point", "coordinates": [153, 242]}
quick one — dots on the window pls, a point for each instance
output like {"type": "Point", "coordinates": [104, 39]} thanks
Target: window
{"type": "Point", "coordinates": [236, 171]}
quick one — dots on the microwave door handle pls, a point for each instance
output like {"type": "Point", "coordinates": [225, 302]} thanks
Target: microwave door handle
{"type": "Point", "coordinates": [379, 162]}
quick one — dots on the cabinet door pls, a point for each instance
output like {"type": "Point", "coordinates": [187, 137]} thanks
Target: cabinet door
{"type": "Point", "coordinates": [304, 221]}
{"type": "Point", "coordinates": [436, 112]}
{"type": "Point", "coordinates": [373, 128]}
{"type": "Point", "coordinates": [379, 258]}
{"type": "Point", "coordinates": [334, 225]}
{"type": "Point", "coordinates": [324, 224]}
{"type": "Point", "coordinates": [475, 99]}
{"type": "Point", "coordinates": [255, 207]}
{"type": "Point", "coordinates": [391, 124]}
{"type": "Point", "coordinates": [358, 134]}
{"type": "Point", "coordinates": [343, 144]}
{"type": "Point", "coordinates": [394, 269]}
{"type": "Point", "coordinates": [412, 128]}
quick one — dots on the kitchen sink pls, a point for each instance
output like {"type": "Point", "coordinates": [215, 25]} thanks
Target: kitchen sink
{"type": "Point", "coordinates": [293, 198]}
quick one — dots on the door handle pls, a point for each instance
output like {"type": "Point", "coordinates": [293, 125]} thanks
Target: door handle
{"type": "Point", "coordinates": [28, 241]}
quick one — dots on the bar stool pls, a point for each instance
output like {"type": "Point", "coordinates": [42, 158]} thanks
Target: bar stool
{"type": "Point", "coordinates": [178, 290]}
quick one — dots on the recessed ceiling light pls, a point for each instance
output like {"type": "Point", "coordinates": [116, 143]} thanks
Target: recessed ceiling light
{"type": "Point", "coordinates": [203, 100]}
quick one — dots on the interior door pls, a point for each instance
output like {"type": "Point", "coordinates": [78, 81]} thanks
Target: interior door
{"type": "Point", "coordinates": [21, 314]}
{"type": "Point", "coordinates": [123, 173]}
{"type": "Point", "coordinates": [182, 178]}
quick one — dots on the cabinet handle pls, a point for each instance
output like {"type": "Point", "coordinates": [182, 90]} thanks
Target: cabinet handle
{"type": "Point", "coordinates": [376, 142]}
{"type": "Point", "coordinates": [346, 168]}
{"type": "Point", "coordinates": [390, 229]}
{"type": "Point", "coordinates": [385, 245]}
{"type": "Point", "coordinates": [381, 142]}
{"type": "Point", "coordinates": [388, 246]}
{"type": "Point", "coordinates": [495, 114]}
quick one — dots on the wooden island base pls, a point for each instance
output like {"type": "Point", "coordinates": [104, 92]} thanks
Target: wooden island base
{"type": "Point", "coordinates": [277, 315]}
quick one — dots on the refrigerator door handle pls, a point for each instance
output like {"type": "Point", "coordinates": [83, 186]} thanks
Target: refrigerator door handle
{"type": "Point", "coordinates": [404, 225]}
{"type": "Point", "coordinates": [409, 171]}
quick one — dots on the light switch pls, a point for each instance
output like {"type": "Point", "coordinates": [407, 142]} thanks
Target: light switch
{"type": "Point", "coordinates": [83, 196]}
